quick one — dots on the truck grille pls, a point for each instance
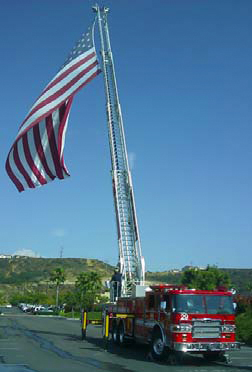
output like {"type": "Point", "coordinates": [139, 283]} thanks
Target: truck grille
{"type": "Point", "coordinates": [206, 328]}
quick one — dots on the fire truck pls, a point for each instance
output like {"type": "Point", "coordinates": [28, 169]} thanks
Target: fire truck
{"type": "Point", "coordinates": [173, 320]}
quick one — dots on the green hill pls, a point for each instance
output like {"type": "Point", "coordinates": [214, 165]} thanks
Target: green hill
{"type": "Point", "coordinates": [18, 270]}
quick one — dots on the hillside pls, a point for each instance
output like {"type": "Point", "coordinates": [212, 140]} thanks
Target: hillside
{"type": "Point", "coordinates": [30, 269]}
{"type": "Point", "coordinates": [18, 270]}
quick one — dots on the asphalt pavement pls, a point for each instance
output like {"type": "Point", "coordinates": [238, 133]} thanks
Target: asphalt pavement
{"type": "Point", "coordinates": [31, 343]}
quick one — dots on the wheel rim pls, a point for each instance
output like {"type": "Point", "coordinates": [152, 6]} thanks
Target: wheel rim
{"type": "Point", "coordinates": [158, 346]}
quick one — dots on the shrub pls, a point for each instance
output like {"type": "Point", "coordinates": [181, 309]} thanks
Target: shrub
{"type": "Point", "coordinates": [244, 327]}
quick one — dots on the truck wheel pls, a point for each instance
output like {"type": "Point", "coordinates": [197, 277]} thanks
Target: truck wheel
{"type": "Point", "coordinates": [115, 335]}
{"type": "Point", "coordinates": [158, 350]}
{"type": "Point", "coordinates": [212, 356]}
{"type": "Point", "coordinates": [121, 334]}
{"type": "Point", "coordinates": [175, 358]}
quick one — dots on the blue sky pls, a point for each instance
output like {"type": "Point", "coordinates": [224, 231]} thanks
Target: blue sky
{"type": "Point", "coordinates": [185, 84]}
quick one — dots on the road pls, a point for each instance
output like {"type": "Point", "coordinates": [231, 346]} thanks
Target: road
{"type": "Point", "coordinates": [47, 344]}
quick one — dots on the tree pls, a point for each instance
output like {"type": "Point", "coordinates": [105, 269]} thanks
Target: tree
{"type": "Point", "coordinates": [244, 327]}
{"type": "Point", "coordinates": [88, 286]}
{"type": "Point", "coordinates": [249, 287]}
{"type": "Point", "coordinates": [71, 300]}
{"type": "Point", "coordinates": [58, 277]}
{"type": "Point", "coordinates": [38, 297]}
{"type": "Point", "coordinates": [2, 298]}
{"type": "Point", "coordinates": [208, 279]}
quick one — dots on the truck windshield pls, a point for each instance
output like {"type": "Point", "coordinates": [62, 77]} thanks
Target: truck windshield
{"type": "Point", "coordinates": [202, 304]}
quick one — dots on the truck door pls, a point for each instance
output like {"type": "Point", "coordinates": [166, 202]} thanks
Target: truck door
{"type": "Point", "coordinates": [166, 313]}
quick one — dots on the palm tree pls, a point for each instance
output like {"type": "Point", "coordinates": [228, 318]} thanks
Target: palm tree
{"type": "Point", "coordinates": [58, 277]}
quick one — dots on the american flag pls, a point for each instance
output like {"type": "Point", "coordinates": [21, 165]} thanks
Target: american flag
{"type": "Point", "coordinates": [36, 157]}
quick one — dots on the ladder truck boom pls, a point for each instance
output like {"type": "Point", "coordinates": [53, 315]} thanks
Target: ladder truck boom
{"type": "Point", "coordinates": [130, 255]}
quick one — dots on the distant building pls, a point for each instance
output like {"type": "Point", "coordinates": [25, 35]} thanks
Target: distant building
{"type": "Point", "coordinates": [190, 267]}
{"type": "Point", "coordinates": [2, 255]}
{"type": "Point", "coordinates": [175, 271]}
{"type": "Point", "coordinates": [12, 256]}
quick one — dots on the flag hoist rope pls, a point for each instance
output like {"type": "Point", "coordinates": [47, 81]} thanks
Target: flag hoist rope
{"type": "Point", "coordinates": [130, 255]}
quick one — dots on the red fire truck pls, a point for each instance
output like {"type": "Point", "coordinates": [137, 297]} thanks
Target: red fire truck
{"type": "Point", "coordinates": [175, 320]}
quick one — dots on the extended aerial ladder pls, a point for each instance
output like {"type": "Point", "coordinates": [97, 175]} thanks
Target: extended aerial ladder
{"type": "Point", "coordinates": [131, 262]}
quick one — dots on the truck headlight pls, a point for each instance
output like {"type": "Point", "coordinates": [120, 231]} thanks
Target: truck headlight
{"type": "Point", "coordinates": [228, 328]}
{"type": "Point", "coordinates": [185, 328]}
{"type": "Point", "coordinates": [175, 328]}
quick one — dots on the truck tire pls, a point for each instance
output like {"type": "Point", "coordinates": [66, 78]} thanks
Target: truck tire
{"type": "Point", "coordinates": [158, 349]}
{"type": "Point", "coordinates": [212, 356]}
{"type": "Point", "coordinates": [121, 334]}
{"type": "Point", "coordinates": [175, 358]}
{"type": "Point", "coordinates": [115, 335]}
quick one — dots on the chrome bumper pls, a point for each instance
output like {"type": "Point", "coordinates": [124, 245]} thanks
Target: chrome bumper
{"type": "Point", "coordinates": [206, 346]}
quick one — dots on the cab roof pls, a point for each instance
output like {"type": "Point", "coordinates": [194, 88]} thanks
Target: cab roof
{"type": "Point", "coordinates": [182, 289]}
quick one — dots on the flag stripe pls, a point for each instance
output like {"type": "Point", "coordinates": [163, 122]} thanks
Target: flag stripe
{"type": "Point", "coordinates": [30, 161]}
{"type": "Point", "coordinates": [67, 72]}
{"type": "Point", "coordinates": [21, 167]}
{"type": "Point", "coordinates": [25, 164]}
{"type": "Point", "coordinates": [63, 82]}
{"type": "Point", "coordinates": [63, 114]}
{"type": "Point", "coordinates": [61, 72]}
{"type": "Point", "coordinates": [40, 152]}
{"type": "Point", "coordinates": [51, 106]}
{"type": "Point", "coordinates": [73, 62]}
{"type": "Point", "coordinates": [53, 146]}
{"type": "Point", "coordinates": [46, 147]}
{"type": "Point", "coordinates": [59, 92]}
{"type": "Point", "coordinates": [63, 122]}
{"type": "Point", "coordinates": [14, 169]}
{"type": "Point", "coordinates": [18, 184]}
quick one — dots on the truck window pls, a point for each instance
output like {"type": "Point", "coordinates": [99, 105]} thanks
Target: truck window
{"type": "Point", "coordinates": [202, 304]}
{"type": "Point", "coordinates": [191, 304]}
{"type": "Point", "coordinates": [219, 304]}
